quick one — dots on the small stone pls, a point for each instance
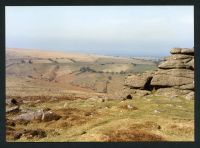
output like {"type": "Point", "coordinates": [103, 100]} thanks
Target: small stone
{"type": "Point", "coordinates": [17, 136]}
{"type": "Point", "coordinates": [14, 109]}
{"type": "Point", "coordinates": [129, 106]}
{"type": "Point", "coordinates": [156, 111]}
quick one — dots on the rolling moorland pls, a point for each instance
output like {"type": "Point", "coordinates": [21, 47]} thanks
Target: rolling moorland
{"type": "Point", "coordinates": [56, 97]}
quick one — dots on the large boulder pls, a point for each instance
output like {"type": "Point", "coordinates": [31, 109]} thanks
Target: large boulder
{"type": "Point", "coordinates": [133, 93]}
{"type": "Point", "coordinates": [176, 72]}
{"type": "Point", "coordinates": [189, 51]}
{"type": "Point", "coordinates": [49, 116]}
{"type": "Point", "coordinates": [170, 81]}
{"type": "Point", "coordinates": [40, 115]}
{"type": "Point", "coordinates": [179, 57]}
{"type": "Point", "coordinates": [31, 115]}
{"type": "Point", "coordinates": [140, 81]}
{"type": "Point", "coordinates": [176, 64]}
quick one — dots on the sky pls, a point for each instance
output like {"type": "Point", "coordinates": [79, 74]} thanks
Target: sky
{"type": "Point", "coordinates": [106, 30]}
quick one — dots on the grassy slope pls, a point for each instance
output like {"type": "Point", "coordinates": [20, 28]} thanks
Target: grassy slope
{"type": "Point", "coordinates": [175, 117]}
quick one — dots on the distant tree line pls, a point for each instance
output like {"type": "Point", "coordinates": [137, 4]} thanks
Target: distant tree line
{"type": "Point", "coordinates": [88, 69]}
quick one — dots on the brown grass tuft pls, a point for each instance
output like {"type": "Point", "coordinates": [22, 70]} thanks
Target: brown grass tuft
{"type": "Point", "coordinates": [131, 135]}
{"type": "Point", "coordinates": [146, 125]}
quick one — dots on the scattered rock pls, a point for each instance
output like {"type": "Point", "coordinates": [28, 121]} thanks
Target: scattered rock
{"type": "Point", "coordinates": [11, 102]}
{"type": "Point", "coordinates": [156, 111]}
{"type": "Point", "coordinates": [10, 123]}
{"type": "Point", "coordinates": [27, 101]}
{"type": "Point", "coordinates": [17, 136]}
{"type": "Point", "coordinates": [14, 109]}
{"type": "Point", "coordinates": [131, 93]}
{"type": "Point", "coordinates": [29, 134]}
{"type": "Point", "coordinates": [128, 107]}
{"type": "Point", "coordinates": [53, 99]}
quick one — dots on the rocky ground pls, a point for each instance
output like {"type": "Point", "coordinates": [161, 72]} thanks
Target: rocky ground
{"type": "Point", "coordinates": [173, 78]}
{"type": "Point", "coordinates": [149, 118]}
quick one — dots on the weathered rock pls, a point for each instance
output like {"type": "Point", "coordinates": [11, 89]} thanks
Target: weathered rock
{"type": "Point", "coordinates": [175, 51]}
{"type": "Point", "coordinates": [11, 101]}
{"type": "Point", "coordinates": [187, 51]}
{"type": "Point", "coordinates": [191, 63]}
{"type": "Point", "coordinates": [138, 81]}
{"type": "Point", "coordinates": [41, 115]}
{"type": "Point", "coordinates": [171, 92]}
{"type": "Point", "coordinates": [173, 79]}
{"type": "Point", "coordinates": [179, 57]}
{"type": "Point", "coordinates": [182, 51]}
{"type": "Point", "coordinates": [175, 64]}
{"type": "Point", "coordinates": [49, 116]}
{"type": "Point", "coordinates": [188, 86]}
{"type": "Point", "coordinates": [29, 134]}
{"type": "Point", "coordinates": [14, 109]}
{"type": "Point", "coordinates": [132, 93]}
{"type": "Point", "coordinates": [187, 73]}
{"type": "Point", "coordinates": [32, 115]}
{"type": "Point", "coordinates": [169, 81]}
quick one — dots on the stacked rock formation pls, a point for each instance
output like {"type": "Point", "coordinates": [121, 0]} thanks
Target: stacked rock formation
{"type": "Point", "coordinates": [174, 75]}
{"type": "Point", "coordinates": [177, 71]}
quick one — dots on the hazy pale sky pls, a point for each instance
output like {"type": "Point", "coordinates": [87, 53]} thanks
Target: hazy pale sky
{"type": "Point", "coordinates": [107, 30]}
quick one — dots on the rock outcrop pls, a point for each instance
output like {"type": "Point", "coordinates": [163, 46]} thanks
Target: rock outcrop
{"type": "Point", "coordinates": [140, 81]}
{"type": "Point", "coordinates": [177, 71]}
{"type": "Point", "coordinates": [41, 115]}
{"type": "Point", "coordinates": [174, 74]}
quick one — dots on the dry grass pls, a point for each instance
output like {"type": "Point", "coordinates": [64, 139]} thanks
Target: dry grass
{"type": "Point", "coordinates": [111, 120]}
{"type": "Point", "coordinates": [131, 135]}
